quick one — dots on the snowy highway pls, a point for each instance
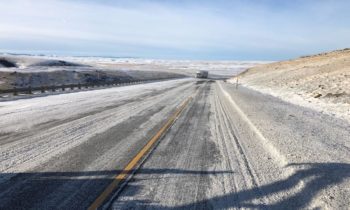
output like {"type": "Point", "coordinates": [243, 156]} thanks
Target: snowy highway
{"type": "Point", "coordinates": [229, 148]}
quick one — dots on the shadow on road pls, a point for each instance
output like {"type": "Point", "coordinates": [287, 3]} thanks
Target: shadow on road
{"type": "Point", "coordinates": [66, 190]}
{"type": "Point", "coordinates": [76, 190]}
{"type": "Point", "coordinates": [316, 176]}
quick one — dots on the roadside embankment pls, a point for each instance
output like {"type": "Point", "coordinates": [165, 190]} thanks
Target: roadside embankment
{"type": "Point", "coordinates": [320, 82]}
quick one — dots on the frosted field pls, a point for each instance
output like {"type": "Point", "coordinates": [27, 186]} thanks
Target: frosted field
{"type": "Point", "coordinates": [188, 67]}
{"type": "Point", "coordinates": [218, 68]}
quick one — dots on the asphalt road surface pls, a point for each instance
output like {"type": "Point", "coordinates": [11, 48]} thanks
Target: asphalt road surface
{"type": "Point", "coordinates": [229, 148]}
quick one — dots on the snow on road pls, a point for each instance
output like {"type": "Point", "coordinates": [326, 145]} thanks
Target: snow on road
{"type": "Point", "coordinates": [259, 153]}
{"type": "Point", "coordinates": [230, 148]}
{"type": "Point", "coordinates": [46, 126]}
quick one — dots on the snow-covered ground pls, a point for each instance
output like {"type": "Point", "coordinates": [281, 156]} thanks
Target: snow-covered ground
{"type": "Point", "coordinates": [320, 82]}
{"type": "Point", "coordinates": [52, 70]}
{"type": "Point", "coordinates": [189, 67]}
{"type": "Point", "coordinates": [36, 71]}
{"type": "Point", "coordinates": [215, 67]}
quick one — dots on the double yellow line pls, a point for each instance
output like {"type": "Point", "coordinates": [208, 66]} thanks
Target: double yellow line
{"type": "Point", "coordinates": [118, 179]}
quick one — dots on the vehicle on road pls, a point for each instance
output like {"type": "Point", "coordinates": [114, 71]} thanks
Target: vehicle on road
{"type": "Point", "coordinates": [202, 74]}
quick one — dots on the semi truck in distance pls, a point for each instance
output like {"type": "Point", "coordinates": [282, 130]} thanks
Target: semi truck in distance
{"type": "Point", "coordinates": [202, 74]}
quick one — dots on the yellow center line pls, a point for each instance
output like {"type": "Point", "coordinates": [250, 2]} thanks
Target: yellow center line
{"type": "Point", "coordinates": [133, 163]}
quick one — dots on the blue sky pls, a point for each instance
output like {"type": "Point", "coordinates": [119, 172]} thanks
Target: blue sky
{"type": "Point", "coordinates": [182, 29]}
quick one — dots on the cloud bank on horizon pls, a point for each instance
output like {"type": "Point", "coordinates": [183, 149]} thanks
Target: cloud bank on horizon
{"type": "Point", "coordinates": [238, 29]}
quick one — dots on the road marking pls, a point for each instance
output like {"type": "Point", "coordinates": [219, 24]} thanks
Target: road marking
{"type": "Point", "coordinates": [118, 179]}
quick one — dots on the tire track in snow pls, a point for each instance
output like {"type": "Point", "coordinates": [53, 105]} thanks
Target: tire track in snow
{"type": "Point", "coordinates": [279, 157]}
{"type": "Point", "coordinates": [232, 141]}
